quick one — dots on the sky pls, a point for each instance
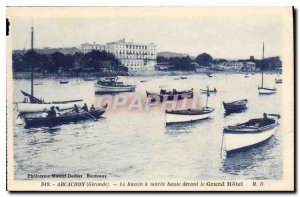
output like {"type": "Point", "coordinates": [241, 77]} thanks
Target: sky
{"type": "Point", "coordinates": [227, 35]}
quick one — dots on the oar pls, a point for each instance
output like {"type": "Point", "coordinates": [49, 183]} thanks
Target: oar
{"type": "Point", "coordinates": [90, 115]}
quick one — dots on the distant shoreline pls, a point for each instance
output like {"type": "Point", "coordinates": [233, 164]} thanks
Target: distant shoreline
{"type": "Point", "coordinates": [27, 75]}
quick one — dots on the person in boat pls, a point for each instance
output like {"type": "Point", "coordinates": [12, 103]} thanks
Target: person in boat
{"type": "Point", "coordinates": [57, 111]}
{"type": "Point", "coordinates": [215, 89]}
{"type": "Point", "coordinates": [76, 109]}
{"type": "Point", "coordinates": [26, 100]}
{"type": "Point", "coordinates": [52, 112]}
{"type": "Point", "coordinates": [162, 91]}
{"type": "Point", "coordinates": [174, 91]}
{"type": "Point", "coordinates": [92, 108]}
{"type": "Point", "coordinates": [85, 107]}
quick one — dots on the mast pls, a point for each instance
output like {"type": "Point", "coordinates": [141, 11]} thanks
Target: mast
{"type": "Point", "coordinates": [32, 34]}
{"type": "Point", "coordinates": [262, 69]}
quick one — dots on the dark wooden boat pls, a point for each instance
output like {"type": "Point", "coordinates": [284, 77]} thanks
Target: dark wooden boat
{"type": "Point", "coordinates": [170, 95]}
{"type": "Point", "coordinates": [64, 82]}
{"type": "Point", "coordinates": [183, 77]}
{"type": "Point", "coordinates": [235, 106]}
{"type": "Point", "coordinates": [62, 119]}
{"type": "Point", "coordinates": [278, 80]}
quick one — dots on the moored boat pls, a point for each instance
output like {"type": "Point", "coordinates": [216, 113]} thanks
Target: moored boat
{"type": "Point", "coordinates": [248, 134]}
{"type": "Point", "coordinates": [188, 115]}
{"type": "Point", "coordinates": [111, 85]}
{"type": "Point", "coordinates": [165, 95]}
{"type": "Point", "coordinates": [278, 80]}
{"type": "Point", "coordinates": [183, 77]}
{"type": "Point", "coordinates": [62, 119]}
{"type": "Point", "coordinates": [210, 91]}
{"type": "Point", "coordinates": [64, 82]}
{"type": "Point", "coordinates": [235, 106]}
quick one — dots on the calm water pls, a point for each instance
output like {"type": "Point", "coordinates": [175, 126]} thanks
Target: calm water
{"type": "Point", "coordinates": [137, 145]}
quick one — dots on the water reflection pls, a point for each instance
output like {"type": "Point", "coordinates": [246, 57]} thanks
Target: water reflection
{"type": "Point", "coordinates": [229, 113]}
{"type": "Point", "coordinates": [245, 160]}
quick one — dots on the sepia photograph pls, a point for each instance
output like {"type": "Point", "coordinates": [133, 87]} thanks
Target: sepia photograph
{"type": "Point", "coordinates": [150, 99]}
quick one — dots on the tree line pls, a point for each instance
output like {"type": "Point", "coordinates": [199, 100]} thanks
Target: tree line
{"type": "Point", "coordinates": [59, 62]}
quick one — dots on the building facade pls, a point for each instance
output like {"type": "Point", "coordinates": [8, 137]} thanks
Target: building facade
{"type": "Point", "coordinates": [88, 47]}
{"type": "Point", "coordinates": [135, 56]}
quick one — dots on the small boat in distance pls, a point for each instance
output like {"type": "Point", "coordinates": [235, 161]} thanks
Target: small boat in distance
{"type": "Point", "coordinates": [63, 118]}
{"type": "Point", "coordinates": [143, 81]}
{"type": "Point", "coordinates": [38, 83]}
{"type": "Point", "coordinates": [63, 81]}
{"type": "Point", "coordinates": [210, 91]}
{"type": "Point", "coordinates": [262, 89]}
{"type": "Point", "coordinates": [112, 85]}
{"type": "Point", "coordinates": [183, 77]}
{"type": "Point", "coordinates": [188, 115]}
{"type": "Point", "coordinates": [235, 106]}
{"type": "Point", "coordinates": [245, 135]}
{"type": "Point", "coordinates": [278, 80]}
{"type": "Point", "coordinates": [165, 95]}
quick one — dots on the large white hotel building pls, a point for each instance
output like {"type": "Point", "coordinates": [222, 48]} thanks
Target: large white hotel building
{"type": "Point", "coordinates": [134, 56]}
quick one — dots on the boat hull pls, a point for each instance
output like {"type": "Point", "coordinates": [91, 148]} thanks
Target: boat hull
{"type": "Point", "coordinates": [37, 107]}
{"type": "Point", "coordinates": [266, 90]}
{"type": "Point", "coordinates": [236, 106]}
{"type": "Point", "coordinates": [181, 116]}
{"type": "Point", "coordinates": [55, 121]}
{"type": "Point", "coordinates": [178, 118]}
{"type": "Point", "coordinates": [99, 89]}
{"type": "Point", "coordinates": [170, 97]}
{"type": "Point", "coordinates": [234, 142]}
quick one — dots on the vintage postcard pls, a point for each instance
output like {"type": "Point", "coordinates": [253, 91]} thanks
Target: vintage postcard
{"type": "Point", "coordinates": [150, 99]}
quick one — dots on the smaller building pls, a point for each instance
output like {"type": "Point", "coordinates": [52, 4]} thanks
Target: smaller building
{"type": "Point", "coordinates": [249, 66]}
{"type": "Point", "coordinates": [87, 47]}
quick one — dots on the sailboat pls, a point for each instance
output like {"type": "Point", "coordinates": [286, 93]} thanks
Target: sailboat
{"type": "Point", "coordinates": [31, 104]}
{"type": "Point", "coordinates": [262, 89]}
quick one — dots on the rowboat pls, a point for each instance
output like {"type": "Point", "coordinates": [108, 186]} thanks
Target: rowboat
{"type": "Point", "coordinates": [262, 89]}
{"type": "Point", "coordinates": [111, 85]}
{"type": "Point", "coordinates": [64, 82]}
{"type": "Point", "coordinates": [31, 104]}
{"type": "Point", "coordinates": [143, 81]}
{"type": "Point", "coordinates": [62, 119]}
{"type": "Point", "coordinates": [235, 106]}
{"type": "Point", "coordinates": [278, 80]}
{"type": "Point", "coordinates": [188, 115]}
{"type": "Point", "coordinates": [170, 95]}
{"type": "Point", "coordinates": [245, 135]}
{"type": "Point", "coordinates": [183, 77]}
